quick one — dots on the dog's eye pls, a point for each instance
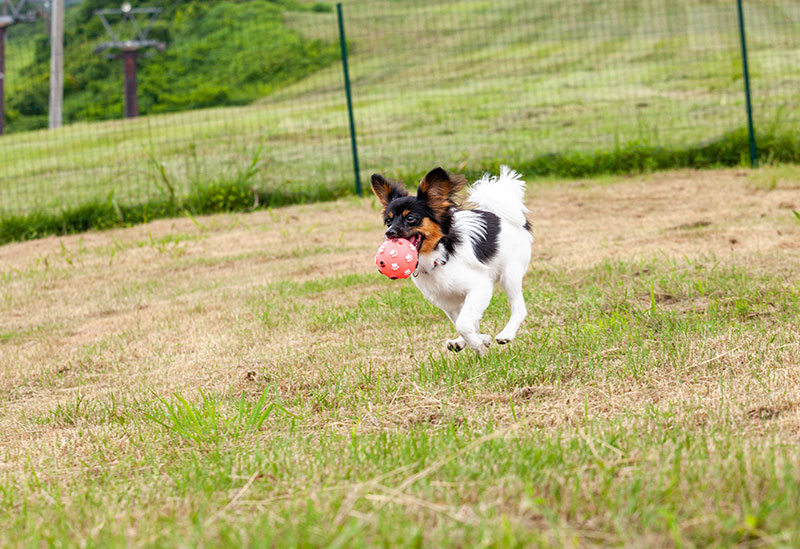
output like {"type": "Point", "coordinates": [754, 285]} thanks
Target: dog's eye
{"type": "Point", "coordinates": [411, 218]}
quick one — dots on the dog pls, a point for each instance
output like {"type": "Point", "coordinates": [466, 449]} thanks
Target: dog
{"type": "Point", "coordinates": [464, 251]}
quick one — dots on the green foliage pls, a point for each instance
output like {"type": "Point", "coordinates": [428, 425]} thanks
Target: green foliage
{"type": "Point", "coordinates": [731, 149]}
{"type": "Point", "coordinates": [215, 197]}
{"type": "Point", "coordinates": [218, 53]}
{"type": "Point", "coordinates": [208, 198]}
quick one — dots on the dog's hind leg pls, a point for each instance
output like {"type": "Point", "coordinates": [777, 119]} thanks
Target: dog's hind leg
{"type": "Point", "coordinates": [469, 318]}
{"type": "Point", "coordinates": [512, 285]}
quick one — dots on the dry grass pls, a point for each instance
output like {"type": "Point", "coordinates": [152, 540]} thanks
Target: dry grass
{"type": "Point", "coordinates": [660, 309]}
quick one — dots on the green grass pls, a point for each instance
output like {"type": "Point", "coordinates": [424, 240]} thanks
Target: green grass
{"type": "Point", "coordinates": [239, 194]}
{"type": "Point", "coordinates": [478, 461]}
{"type": "Point", "coordinates": [569, 89]}
{"type": "Point", "coordinates": [225, 195]}
{"type": "Point", "coordinates": [211, 421]}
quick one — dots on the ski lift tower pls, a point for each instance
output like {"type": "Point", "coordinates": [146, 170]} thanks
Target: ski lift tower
{"type": "Point", "coordinates": [129, 50]}
{"type": "Point", "coordinates": [11, 13]}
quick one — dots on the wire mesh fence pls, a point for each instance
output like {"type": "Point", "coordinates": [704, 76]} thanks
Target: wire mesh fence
{"type": "Point", "coordinates": [773, 43]}
{"type": "Point", "coordinates": [253, 92]}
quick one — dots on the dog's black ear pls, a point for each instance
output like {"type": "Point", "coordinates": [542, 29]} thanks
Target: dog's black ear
{"type": "Point", "coordinates": [386, 191]}
{"type": "Point", "coordinates": [439, 188]}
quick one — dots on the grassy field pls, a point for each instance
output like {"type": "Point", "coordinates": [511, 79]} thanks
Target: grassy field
{"type": "Point", "coordinates": [466, 83]}
{"type": "Point", "coordinates": [250, 380]}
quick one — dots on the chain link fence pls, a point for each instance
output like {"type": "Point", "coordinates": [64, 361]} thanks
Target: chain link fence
{"type": "Point", "coordinates": [464, 84]}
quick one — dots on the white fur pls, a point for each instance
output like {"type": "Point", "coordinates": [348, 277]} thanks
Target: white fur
{"type": "Point", "coordinates": [503, 196]}
{"type": "Point", "coordinates": [460, 284]}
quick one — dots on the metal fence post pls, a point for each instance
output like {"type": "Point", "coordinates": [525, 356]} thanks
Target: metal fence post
{"type": "Point", "coordinates": [2, 77]}
{"type": "Point", "coordinates": [343, 45]}
{"type": "Point", "coordinates": [746, 74]}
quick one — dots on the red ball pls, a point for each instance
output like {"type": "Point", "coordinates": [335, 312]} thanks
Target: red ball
{"type": "Point", "coordinates": [397, 258]}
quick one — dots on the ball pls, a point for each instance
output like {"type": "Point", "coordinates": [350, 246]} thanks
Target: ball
{"type": "Point", "coordinates": [397, 258]}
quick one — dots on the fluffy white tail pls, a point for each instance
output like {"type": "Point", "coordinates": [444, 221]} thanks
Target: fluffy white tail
{"type": "Point", "coordinates": [503, 196]}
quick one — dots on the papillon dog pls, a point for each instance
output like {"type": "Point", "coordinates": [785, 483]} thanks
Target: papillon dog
{"type": "Point", "coordinates": [464, 250]}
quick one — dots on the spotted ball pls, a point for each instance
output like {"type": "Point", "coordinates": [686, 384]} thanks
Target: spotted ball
{"type": "Point", "coordinates": [397, 258]}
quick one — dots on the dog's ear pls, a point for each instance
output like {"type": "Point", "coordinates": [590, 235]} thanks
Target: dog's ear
{"type": "Point", "coordinates": [439, 188]}
{"type": "Point", "coordinates": [386, 191]}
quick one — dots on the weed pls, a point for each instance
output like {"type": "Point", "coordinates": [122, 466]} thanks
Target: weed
{"type": "Point", "coordinates": [212, 419]}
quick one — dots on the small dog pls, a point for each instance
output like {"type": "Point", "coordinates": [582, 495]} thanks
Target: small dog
{"type": "Point", "coordinates": [463, 252]}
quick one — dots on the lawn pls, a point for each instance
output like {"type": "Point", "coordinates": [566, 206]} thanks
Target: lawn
{"type": "Point", "coordinates": [251, 380]}
{"type": "Point", "coordinates": [467, 83]}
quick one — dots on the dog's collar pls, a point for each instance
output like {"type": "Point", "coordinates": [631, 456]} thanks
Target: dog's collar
{"type": "Point", "coordinates": [441, 262]}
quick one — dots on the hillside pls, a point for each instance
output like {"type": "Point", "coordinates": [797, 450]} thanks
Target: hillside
{"type": "Point", "coordinates": [218, 53]}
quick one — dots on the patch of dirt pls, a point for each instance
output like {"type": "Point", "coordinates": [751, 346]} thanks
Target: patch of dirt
{"type": "Point", "coordinates": [686, 213]}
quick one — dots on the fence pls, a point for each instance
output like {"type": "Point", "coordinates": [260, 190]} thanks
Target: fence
{"type": "Point", "coordinates": [464, 84]}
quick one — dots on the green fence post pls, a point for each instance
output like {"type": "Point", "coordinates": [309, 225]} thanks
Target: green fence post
{"type": "Point", "coordinates": [746, 74]}
{"type": "Point", "coordinates": [343, 45]}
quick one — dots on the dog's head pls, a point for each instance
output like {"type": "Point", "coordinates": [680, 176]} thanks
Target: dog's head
{"type": "Point", "coordinates": [424, 219]}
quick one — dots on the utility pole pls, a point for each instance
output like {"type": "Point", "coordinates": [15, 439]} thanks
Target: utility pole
{"type": "Point", "coordinates": [56, 63]}
{"type": "Point", "coordinates": [129, 57]}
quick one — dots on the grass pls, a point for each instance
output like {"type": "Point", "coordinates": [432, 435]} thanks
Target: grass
{"type": "Point", "coordinates": [239, 194]}
{"type": "Point", "coordinates": [208, 422]}
{"type": "Point", "coordinates": [249, 380]}
{"type": "Point", "coordinates": [571, 89]}
{"type": "Point", "coordinates": [236, 193]}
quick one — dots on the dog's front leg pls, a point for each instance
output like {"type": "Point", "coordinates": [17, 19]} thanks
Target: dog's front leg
{"type": "Point", "coordinates": [469, 318]}
{"type": "Point", "coordinates": [452, 313]}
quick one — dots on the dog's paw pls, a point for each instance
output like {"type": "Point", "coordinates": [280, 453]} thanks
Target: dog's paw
{"type": "Point", "coordinates": [456, 345]}
{"type": "Point", "coordinates": [503, 338]}
{"type": "Point", "coordinates": [483, 348]}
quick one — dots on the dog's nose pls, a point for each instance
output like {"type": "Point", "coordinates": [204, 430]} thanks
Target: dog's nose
{"type": "Point", "coordinates": [392, 233]}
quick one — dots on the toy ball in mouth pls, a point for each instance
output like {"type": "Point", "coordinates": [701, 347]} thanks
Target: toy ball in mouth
{"type": "Point", "coordinates": [397, 258]}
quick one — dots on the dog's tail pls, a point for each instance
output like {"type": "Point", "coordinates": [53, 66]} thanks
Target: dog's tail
{"type": "Point", "coordinates": [503, 196]}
